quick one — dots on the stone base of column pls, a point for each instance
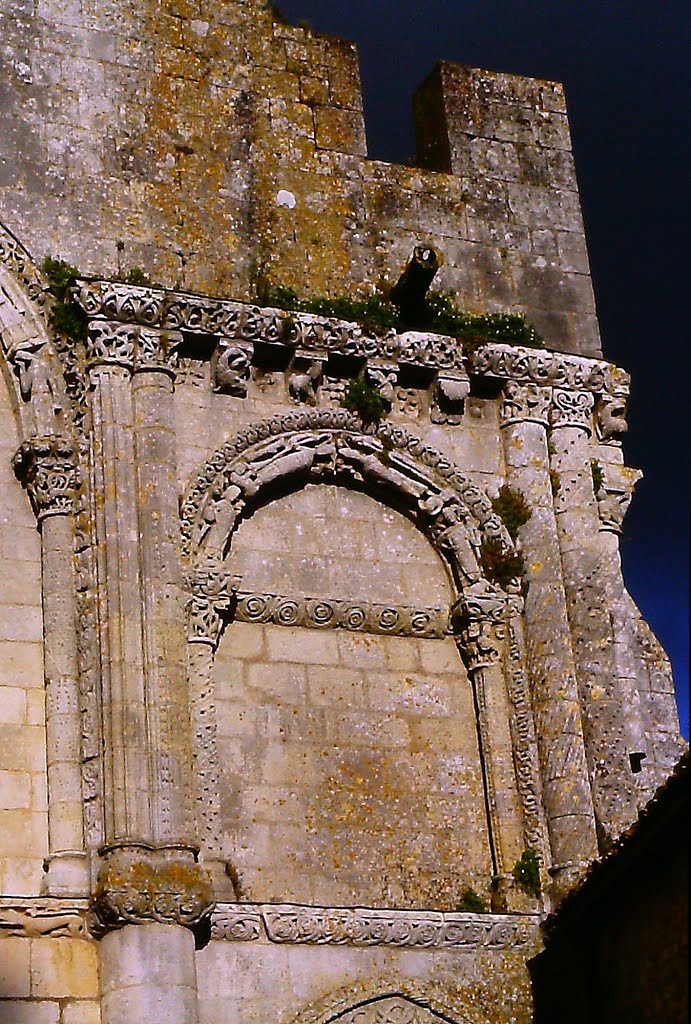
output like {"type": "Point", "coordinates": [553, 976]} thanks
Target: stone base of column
{"type": "Point", "coordinates": [148, 975]}
{"type": "Point", "coordinates": [66, 874]}
{"type": "Point", "coordinates": [565, 877]}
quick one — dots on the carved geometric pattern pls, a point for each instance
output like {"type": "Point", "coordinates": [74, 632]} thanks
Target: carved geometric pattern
{"type": "Point", "coordinates": [318, 336]}
{"type": "Point", "coordinates": [357, 616]}
{"type": "Point", "coordinates": [291, 924]}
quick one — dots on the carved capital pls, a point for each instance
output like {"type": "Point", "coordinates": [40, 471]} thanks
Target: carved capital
{"type": "Point", "coordinates": [47, 468]}
{"type": "Point", "coordinates": [212, 599]}
{"type": "Point", "coordinates": [482, 644]}
{"type": "Point", "coordinates": [134, 346]}
{"type": "Point", "coordinates": [138, 886]}
{"type": "Point", "coordinates": [525, 403]}
{"type": "Point", "coordinates": [572, 409]}
{"type": "Point", "coordinates": [614, 496]}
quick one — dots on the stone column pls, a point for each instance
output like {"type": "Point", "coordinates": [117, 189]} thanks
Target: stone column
{"type": "Point", "coordinates": [150, 891]}
{"type": "Point", "coordinates": [47, 467]}
{"type": "Point", "coordinates": [553, 687]}
{"type": "Point", "coordinates": [479, 618]}
{"type": "Point", "coordinates": [613, 786]}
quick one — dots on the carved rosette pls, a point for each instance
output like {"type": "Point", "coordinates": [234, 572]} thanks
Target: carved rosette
{"type": "Point", "coordinates": [525, 403]}
{"type": "Point", "coordinates": [213, 597]}
{"type": "Point", "coordinates": [572, 409]}
{"type": "Point", "coordinates": [47, 468]}
{"type": "Point", "coordinates": [138, 886]}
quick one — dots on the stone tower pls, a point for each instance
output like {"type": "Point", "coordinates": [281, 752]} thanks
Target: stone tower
{"type": "Point", "coordinates": [300, 721]}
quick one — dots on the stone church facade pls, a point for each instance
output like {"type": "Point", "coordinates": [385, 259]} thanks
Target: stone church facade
{"type": "Point", "coordinates": [275, 743]}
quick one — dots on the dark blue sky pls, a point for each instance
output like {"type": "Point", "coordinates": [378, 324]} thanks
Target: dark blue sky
{"type": "Point", "coordinates": [625, 67]}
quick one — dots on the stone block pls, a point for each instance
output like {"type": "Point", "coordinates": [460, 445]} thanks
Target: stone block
{"type": "Point", "coordinates": [81, 1012]}
{"type": "Point", "coordinates": [14, 969]}
{"type": "Point", "coordinates": [33, 1011]}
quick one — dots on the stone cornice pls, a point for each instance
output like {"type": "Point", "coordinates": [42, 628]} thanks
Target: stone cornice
{"type": "Point", "coordinates": [318, 336]}
{"type": "Point", "coordinates": [426, 929]}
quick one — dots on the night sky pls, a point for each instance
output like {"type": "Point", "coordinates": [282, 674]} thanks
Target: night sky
{"type": "Point", "coordinates": [625, 68]}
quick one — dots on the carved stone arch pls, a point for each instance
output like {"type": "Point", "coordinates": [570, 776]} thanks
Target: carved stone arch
{"type": "Point", "coordinates": [323, 445]}
{"type": "Point", "coordinates": [381, 1001]}
{"type": "Point", "coordinates": [34, 370]}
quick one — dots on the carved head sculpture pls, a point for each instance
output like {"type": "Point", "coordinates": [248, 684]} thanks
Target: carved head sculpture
{"type": "Point", "coordinates": [611, 417]}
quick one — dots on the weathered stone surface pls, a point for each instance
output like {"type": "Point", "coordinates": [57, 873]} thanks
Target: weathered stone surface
{"type": "Point", "coordinates": [272, 671]}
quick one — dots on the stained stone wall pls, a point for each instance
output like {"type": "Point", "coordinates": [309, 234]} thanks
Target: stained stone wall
{"type": "Point", "coordinates": [350, 770]}
{"type": "Point", "coordinates": [23, 822]}
{"type": "Point", "coordinates": [104, 178]}
{"type": "Point", "coordinates": [278, 683]}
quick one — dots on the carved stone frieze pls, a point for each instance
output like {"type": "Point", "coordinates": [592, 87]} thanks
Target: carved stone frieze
{"type": "Point", "coordinates": [47, 468]}
{"type": "Point", "coordinates": [137, 886]}
{"type": "Point", "coordinates": [236, 924]}
{"type": "Point", "coordinates": [572, 409]}
{"type": "Point", "coordinates": [329, 613]}
{"type": "Point", "coordinates": [291, 924]}
{"type": "Point", "coordinates": [525, 402]}
{"type": "Point", "coordinates": [318, 336]}
{"type": "Point", "coordinates": [31, 917]}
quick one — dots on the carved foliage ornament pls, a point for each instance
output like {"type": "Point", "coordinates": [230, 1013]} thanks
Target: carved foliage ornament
{"type": "Point", "coordinates": [318, 336]}
{"type": "Point", "coordinates": [572, 409]}
{"type": "Point", "coordinates": [212, 598]}
{"type": "Point", "coordinates": [525, 402]}
{"type": "Point", "coordinates": [138, 886]}
{"type": "Point", "coordinates": [47, 468]}
{"type": "Point", "coordinates": [132, 345]}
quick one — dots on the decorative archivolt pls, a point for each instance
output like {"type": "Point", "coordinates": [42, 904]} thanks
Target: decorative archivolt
{"type": "Point", "coordinates": [36, 373]}
{"type": "Point", "coordinates": [385, 1002]}
{"type": "Point", "coordinates": [331, 446]}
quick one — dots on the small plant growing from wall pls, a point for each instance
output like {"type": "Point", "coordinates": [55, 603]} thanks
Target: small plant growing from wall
{"type": "Point", "coordinates": [136, 276]}
{"type": "Point", "coordinates": [365, 401]}
{"type": "Point", "coordinates": [500, 566]}
{"type": "Point", "coordinates": [598, 475]}
{"type": "Point", "coordinates": [512, 508]}
{"type": "Point", "coordinates": [66, 317]}
{"type": "Point", "coordinates": [526, 872]}
{"type": "Point", "coordinates": [470, 903]}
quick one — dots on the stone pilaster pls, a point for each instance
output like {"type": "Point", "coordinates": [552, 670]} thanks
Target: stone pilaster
{"type": "Point", "coordinates": [479, 622]}
{"type": "Point", "coordinates": [553, 686]}
{"type": "Point", "coordinates": [47, 468]}
{"type": "Point", "coordinates": [578, 523]}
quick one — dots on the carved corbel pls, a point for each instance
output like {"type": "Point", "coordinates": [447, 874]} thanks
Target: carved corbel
{"type": "Point", "coordinates": [157, 350]}
{"type": "Point", "coordinates": [572, 409]}
{"type": "Point", "coordinates": [230, 369]}
{"type": "Point", "coordinates": [213, 598]}
{"type": "Point", "coordinates": [614, 496]}
{"type": "Point", "coordinates": [610, 417]}
{"type": "Point", "coordinates": [47, 468]}
{"type": "Point", "coordinates": [450, 393]}
{"type": "Point", "coordinates": [304, 379]}
{"type": "Point", "coordinates": [525, 403]}
{"type": "Point", "coordinates": [384, 379]}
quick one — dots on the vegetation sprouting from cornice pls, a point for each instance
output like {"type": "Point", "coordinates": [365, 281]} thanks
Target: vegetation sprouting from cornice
{"type": "Point", "coordinates": [378, 315]}
{"type": "Point", "coordinates": [500, 566]}
{"type": "Point", "coordinates": [66, 317]}
{"type": "Point", "coordinates": [470, 903]}
{"type": "Point", "coordinates": [526, 872]}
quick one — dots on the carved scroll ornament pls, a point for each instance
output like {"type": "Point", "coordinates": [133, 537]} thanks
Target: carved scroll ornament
{"type": "Point", "coordinates": [47, 468]}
